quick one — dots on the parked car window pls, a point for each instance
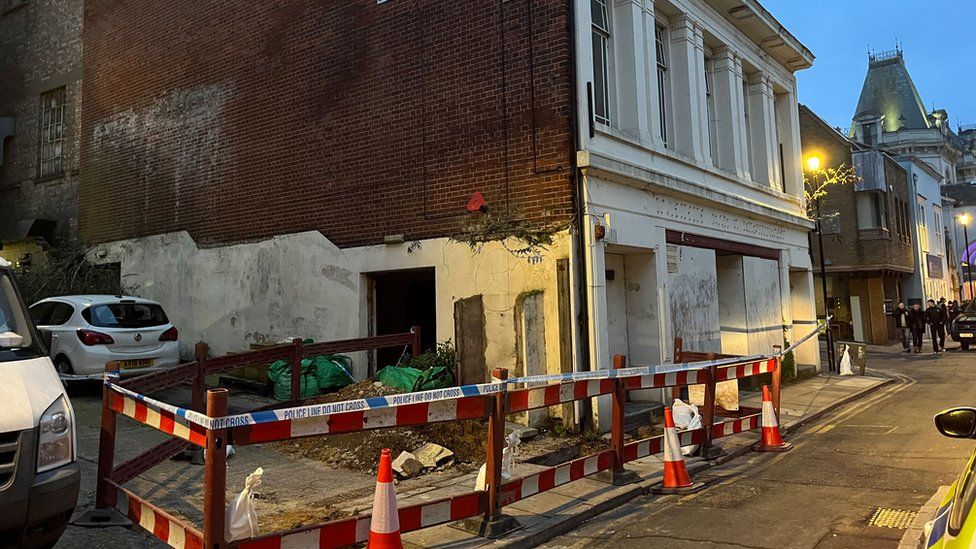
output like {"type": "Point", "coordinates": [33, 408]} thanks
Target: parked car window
{"type": "Point", "coordinates": [40, 312]}
{"type": "Point", "coordinates": [14, 318]}
{"type": "Point", "coordinates": [125, 315]}
{"type": "Point", "coordinates": [60, 313]}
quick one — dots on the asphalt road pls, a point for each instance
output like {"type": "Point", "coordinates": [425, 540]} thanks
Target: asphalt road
{"type": "Point", "coordinates": [880, 451]}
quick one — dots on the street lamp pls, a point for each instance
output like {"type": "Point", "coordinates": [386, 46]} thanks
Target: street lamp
{"type": "Point", "coordinates": [813, 166]}
{"type": "Point", "coordinates": [965, 218]}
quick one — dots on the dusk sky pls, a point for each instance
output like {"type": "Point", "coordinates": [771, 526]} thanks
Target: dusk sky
{"type": "Point", "coordinates": [936, 36]}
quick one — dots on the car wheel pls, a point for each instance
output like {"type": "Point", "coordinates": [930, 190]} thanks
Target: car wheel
{"type": "Point", "coordinates": [63, 365]}
{"type": "Point", "coordinates": [964, 345]}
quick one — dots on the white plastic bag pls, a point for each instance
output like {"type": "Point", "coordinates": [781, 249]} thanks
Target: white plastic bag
{"type": "Point", "coordinates": [845, 363]}
{"type": "Point", "coordinates": [686, 416]}
{"type": "Point", "coordinates": [508, 453]}
{"type": "Point", "coordinates": [241, 520]}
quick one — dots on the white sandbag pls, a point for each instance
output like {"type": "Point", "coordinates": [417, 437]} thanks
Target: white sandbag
{"type": "Point", "coordinates": [686, 416]}
{"type": "Point", "coordinates": [241, 519]}
{"type": "Point", "coordinates": [845, 363]}
{"type": "Point", "coordinates": [509, 452]}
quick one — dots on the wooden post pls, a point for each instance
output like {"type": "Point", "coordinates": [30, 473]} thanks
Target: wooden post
{"type": "Point", "coordinates": [678, 359]}
{"type": "Point", "coordinates": [215, 478]}
{"type": "Point", "coordinates": [496, 443]}
{"type": "Point", "coordinates": [296, 369]}
{"type": "Point", "coordinates": [708, 412]}
{"type": "Point", "coordinates": [104, 496]}
{"type": "Point", "coordinates": [198, 403]}
{"type": "Point", "coordinates": [415, 348]}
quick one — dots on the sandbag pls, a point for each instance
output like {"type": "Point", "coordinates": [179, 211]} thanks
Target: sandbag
{"type": "Point", "coordinates": [399, 377]}
{"type": "Point", "coordinates": [280, 374]}
{"type": "Point", "coordinates": [332, 372]}
{"type": "Point", "coordinates": [240, 517]}
{"type": "Point", "coordinates": [686, 417]}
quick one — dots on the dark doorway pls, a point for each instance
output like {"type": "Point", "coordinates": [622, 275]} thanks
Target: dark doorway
{"type": "Point", "coordinates": [401, 299]}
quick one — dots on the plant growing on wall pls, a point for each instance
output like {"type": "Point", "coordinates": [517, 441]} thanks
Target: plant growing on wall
{"type": "Point", "coordinates": [817, 182]}
{"type": "Point", "coordinates": [521, 237]}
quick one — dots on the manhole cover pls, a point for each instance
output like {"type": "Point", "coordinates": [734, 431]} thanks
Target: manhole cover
{"type": "Point", "coordinates": [884, 517]}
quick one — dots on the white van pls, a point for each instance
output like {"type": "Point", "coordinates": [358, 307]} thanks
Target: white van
{"type": "Point", "coordinates": [39, 474]}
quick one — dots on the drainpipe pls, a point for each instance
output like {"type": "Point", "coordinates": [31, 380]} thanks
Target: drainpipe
{"type": "Point", "coordinates": [584, 412]}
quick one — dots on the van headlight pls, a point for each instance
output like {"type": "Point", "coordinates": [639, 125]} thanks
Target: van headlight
{"type": "Point", "coordinates": [55, 443]}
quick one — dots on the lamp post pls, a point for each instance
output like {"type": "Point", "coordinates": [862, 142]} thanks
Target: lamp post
{"type": "Point", "coordinates": [965, 218]}
{"type": "Point", "coordinates": [813, 166]}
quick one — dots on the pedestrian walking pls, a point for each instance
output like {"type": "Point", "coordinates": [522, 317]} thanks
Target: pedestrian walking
{"type": "Point", "coordinates": [900, 314]}
{"type": "Point", "coordinates": [935, 317]}
{"type": "Point", "coordinates": [953, 310]}
{"type": "Point", "coordinates": [916, 325]}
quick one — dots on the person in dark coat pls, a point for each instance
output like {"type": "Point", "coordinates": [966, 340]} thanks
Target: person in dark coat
{"type": "Point", "coordinates": [935, 317]}
{"type": "Point", "coordinates": [953, 310]}
{"type": "Point", "coordinates": [900, 314]}
{"type": "Point", "coordinates": [916, 323]}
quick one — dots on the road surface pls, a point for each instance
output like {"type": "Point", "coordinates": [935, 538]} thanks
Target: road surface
{"type": "Point", "coordinates": [878, 452]}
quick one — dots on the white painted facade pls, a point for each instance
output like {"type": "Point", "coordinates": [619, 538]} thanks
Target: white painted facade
{"type": "Point", "coordinates": [694, 150]}
{"type": "Point", "coordinates": [930, 218]}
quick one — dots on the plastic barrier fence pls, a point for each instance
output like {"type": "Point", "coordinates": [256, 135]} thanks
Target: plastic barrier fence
{"type": "Point", "coordinates": [491, 401]}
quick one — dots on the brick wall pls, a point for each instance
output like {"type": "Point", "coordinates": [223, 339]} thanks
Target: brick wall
{"type": "Point", "coordinates": [242, 121]}
{"type": "Point", "coordinates": [41, 45]}
{"type": "Point", "coordinates": [847, 248]}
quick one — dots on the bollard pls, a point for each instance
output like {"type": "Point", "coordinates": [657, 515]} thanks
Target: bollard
{"type": "Point", "coordinates": [618, 476]}
{"type": "Point", "coordinates": [215, 476]}
{"type": "Point", "coordinates": [104, 513]}
{"type": "Point", "coordinates": [494, 523]}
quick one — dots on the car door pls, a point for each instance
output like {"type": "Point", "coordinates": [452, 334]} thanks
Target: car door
{"type": "Point", "coordinates": [39, 313]}
{"type": "Point", "coordinates": [54, 325]}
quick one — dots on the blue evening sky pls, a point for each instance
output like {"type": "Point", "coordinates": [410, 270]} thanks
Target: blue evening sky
{"type": "Point", "coordinates": [936, 36]}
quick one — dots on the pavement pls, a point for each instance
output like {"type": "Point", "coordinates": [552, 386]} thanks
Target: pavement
{"type": "Point", "coordinates": [876, 456]}
{"type": "Point", "coordinates": [542, 517]}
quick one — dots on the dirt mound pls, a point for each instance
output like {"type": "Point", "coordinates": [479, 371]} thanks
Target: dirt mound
{"type": "Point", "coordinates": [360, 451]}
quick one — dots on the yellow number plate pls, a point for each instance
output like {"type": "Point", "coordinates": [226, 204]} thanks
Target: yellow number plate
{"type": "Point", "coordinates": [132, 364]}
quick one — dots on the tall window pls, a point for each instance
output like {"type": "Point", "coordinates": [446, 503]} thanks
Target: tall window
{"type": "Point", "coordinates": [745, 112]}
{"type": "Point", "coordinates": [663, 83]}
{"type": "Point", "coordinates": [52, 133]}
{"type": "Point", "coordinates": [939, 238]}
{"type": "Point", "coordinates": [871, 210]}
{"type": "Point", "coordinates": [867, 134]}
{"type": "Point", "coordinates": [710, 111]}
{"type": "Point", "coordinates": [601, 57]}
{"type": "Point", "coordinates": [923, 228]}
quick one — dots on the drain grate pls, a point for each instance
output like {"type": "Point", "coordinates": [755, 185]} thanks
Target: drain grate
{"type": "Point", "coordinates": [884, 517]}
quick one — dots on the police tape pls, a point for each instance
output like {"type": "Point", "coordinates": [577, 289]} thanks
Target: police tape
{"type": "Point", "coordinates": [449, 393]}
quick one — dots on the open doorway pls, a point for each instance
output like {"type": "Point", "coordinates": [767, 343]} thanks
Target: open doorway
{"type": "Point", "coordinates": [397, 301]}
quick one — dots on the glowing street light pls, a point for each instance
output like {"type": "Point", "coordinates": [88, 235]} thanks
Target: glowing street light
{"type": "Point", "coordinates": [813, 163]}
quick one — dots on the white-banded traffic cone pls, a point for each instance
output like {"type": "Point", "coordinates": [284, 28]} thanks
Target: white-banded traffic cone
{"type": "Point", "coordinates": [771, 439]}
{"type": "Point", "coordinates": [676, 477]}
{"type": "Point", "coordinates": [384, 526]}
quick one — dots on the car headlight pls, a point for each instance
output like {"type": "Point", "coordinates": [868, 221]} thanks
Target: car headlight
{"type": "Point", "coordinates": [55, 443]}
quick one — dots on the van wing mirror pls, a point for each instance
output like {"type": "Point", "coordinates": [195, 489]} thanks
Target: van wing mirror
{"type": "Point", "coordinates": [11, 340]}
{"type": "Point", "coordinates": [957, 422]}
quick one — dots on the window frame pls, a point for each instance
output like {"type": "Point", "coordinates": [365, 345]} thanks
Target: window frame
{"type": "Point", "coordinates": [662, 53]}
{"type": "Point", "coordinates": [603, 34]}
{"type": "Point", "coordinates": [51, 148]}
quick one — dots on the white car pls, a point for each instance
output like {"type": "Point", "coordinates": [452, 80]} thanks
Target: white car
{"type": "Point", "coordinates": [83, 332]}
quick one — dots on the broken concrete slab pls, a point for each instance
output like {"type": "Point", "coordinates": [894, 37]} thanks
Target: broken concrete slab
{"type": "Point", "coordinates": [407, 465]}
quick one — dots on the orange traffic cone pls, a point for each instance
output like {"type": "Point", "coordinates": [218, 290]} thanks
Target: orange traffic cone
{"type": "Point", "coordinates": [676, 477]}
{"type": "Point", "coordinates": [771, 439]}
{"type": "Point", "coordinates": [384, 527]}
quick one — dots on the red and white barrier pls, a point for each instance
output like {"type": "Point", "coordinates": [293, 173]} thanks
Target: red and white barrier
{"type": "Point", "coordinates": [156, 521]}
{"type": "Point", "coordinates": [164, 420]}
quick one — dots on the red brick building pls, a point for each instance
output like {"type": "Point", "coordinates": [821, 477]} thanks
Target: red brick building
{"type": "Point", "coordinates": [294, 168]}
{"type": "Point", "coordinates": [357, 119]}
